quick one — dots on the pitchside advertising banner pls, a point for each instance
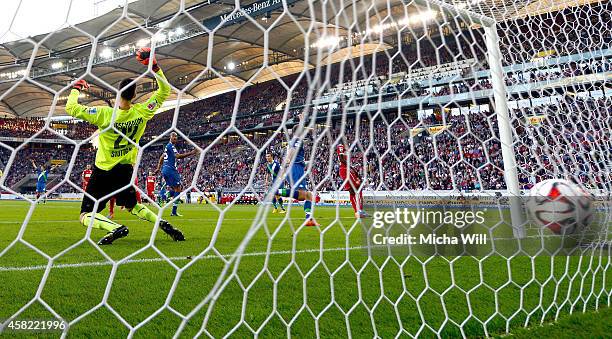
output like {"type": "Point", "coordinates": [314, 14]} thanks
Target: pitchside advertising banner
{"type": "Point", "coordinates": [479, 225]}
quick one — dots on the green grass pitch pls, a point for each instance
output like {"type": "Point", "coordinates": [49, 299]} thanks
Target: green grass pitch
{"type": "Point", "coordinates": [293, 281]}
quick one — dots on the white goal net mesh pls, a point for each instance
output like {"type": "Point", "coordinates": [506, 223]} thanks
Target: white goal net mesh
{"type": "Point", "coordinates": [436, 102]}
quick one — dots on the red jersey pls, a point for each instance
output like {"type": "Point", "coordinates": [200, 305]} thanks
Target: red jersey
{"type": "Point", "coordinates": [341, 151]}
{"type": "Point", "coordinates": [349, 176]}
{"type": "Point", "coordinates": [150, 183]}
{"type": "Point", "coordinates": [86, 176]}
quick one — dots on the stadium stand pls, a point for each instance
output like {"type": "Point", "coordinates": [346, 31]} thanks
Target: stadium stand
{"type": "Point", "coordinates": [467, 155]}
{"type": "Point", "coordinates": [464, 160]}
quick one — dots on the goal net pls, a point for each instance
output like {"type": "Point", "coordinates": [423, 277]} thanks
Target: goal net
{"type": "Point", "coordinates": [376, 113]}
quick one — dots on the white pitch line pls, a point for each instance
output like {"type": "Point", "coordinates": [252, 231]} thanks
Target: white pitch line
{"type": "Point", "coordinates": [148, 260]}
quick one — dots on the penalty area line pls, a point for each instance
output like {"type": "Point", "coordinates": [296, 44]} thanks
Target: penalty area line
{"type": "Point", "coordinates": [152, 260]}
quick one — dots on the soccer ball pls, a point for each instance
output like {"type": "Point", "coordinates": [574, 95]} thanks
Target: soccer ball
{"type": "Point", "coordinates": [559, 205]}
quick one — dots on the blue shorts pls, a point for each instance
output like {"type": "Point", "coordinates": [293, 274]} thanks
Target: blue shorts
{"type": "Point", "coordinates": [41, 187]}
{"type": "Point", "coordinates": [297, 180]}
{"type": "Point", "coordinates": [171, 176]}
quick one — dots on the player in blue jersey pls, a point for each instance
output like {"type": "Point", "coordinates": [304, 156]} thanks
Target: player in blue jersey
{"type": "Point", "coordinates": [42, 174]}
{"type": "Point", "coordinates": [297, 177]}
{"type": "Point", "coordinates": [167, 163]}
{"type": "Point", "coordinates": [273, 169]}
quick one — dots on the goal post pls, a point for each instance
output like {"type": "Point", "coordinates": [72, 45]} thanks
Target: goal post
{"type": "Point", "coordinates": [505, 132]}
{"type": "Point", "coordinates": [500, 97]}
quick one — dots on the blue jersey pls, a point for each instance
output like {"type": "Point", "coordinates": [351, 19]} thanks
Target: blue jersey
{"type": "Point", "coordinates": [297, 145]}
{"type": "Point", "coordinates": [170, 156]}
{"type": "Point", "coordinates": [274, 169]}
{"type": "Point", "coordinates": [42, 176]}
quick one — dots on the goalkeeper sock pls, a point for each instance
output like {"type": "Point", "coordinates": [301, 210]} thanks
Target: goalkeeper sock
{"type": "Point", "coordinates": [144, 213]}
{"type": "Point", "coordinates": [274, 202]}
{"type": "Point", "coordinates": [307, 207]}
{"type": "Point", "coordinates": [100, 222]}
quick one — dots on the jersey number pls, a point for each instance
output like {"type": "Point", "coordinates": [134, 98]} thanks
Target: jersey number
{"type": "Point", "coordinates": [129, 132]}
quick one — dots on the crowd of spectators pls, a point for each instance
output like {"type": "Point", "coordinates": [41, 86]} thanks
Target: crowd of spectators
{"type": "Point", "coordinates": [21, 165]}
{"type": "Point", "coordinates": [568, 70]}
{"type": "Point", "coordinates": [213, 115]}
{"type": "Point", "coordinates": [20, 127]}
{"type": "Point", "coordinates": [573, 142]}
{"type": "Point", "coordinates": [569, 142]}
{"type": "Point", "coordinates": [28, 127]}
{"type": "Point", "coordinates": [370, 77]}
{"type": "Point", "coordinates": [465, 154]}
{"type": "Point", "coordinates": [576, 29]}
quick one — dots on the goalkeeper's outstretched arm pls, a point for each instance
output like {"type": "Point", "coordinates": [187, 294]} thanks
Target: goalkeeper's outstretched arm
{"type": "Point", "coordinates": [148, 109]}
{"type": "Point", "coordinates": [151, 106]}
{"type": "Point", "coordinates": [92, 115]}
{"type": "Point", "coordinates": [100, 116]}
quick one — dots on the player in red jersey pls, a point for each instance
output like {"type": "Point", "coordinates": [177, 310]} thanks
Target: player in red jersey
{"type": "Point", "coordinates": [151, 186]}
{"type": "Point", "coordinates": [111, 202]}
{"type": "Point", "coordinates": [138, 198]}
{"type": "Point", "coordinates": [352, 182]}
{"type": "Point", "coordinates": [85, 176]}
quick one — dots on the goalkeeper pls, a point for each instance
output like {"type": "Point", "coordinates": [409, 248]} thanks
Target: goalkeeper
{"type": "Point", "coordinates": [116, 155]}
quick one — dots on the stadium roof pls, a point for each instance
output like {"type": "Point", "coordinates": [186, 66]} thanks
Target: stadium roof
{"type": "Point", "coordinates": [192, 60]}
{"type": "Point", "coordinates": [239, 44]}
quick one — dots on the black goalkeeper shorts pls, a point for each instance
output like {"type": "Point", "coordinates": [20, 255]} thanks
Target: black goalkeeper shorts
{"type": "Point", "coordinates": [102, 183]}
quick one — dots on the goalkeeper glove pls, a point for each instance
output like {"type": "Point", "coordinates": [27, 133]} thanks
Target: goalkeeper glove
{"type": "Point", "coordinates": [143, 55]}
{"type": "Point", "coordinates": [80, 85]}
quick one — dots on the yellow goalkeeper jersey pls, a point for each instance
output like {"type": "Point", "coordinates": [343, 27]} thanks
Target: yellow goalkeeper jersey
{"type": "Point", "coordinates": [114, 148]}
